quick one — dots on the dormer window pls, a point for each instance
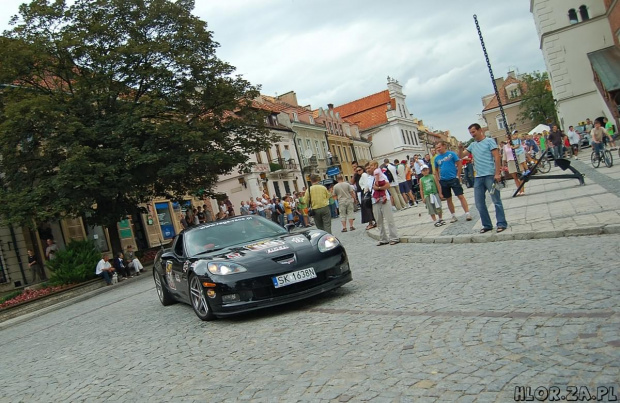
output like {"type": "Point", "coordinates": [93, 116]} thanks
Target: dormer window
{"type": "Point", "coordinates": [583, 12]}
{"type": "Point", "coordinates": [311, 120]}
{"type": "Point", "coordinates": [295, 117]}
{"type": "Point", "coordinates": [572, 16]}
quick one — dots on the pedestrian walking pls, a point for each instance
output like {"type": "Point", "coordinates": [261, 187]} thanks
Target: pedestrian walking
{"type": "Point", "coordinates": [488, 173]}
{"type": "Point", "coordinates": [448, 167]}
{"type": "Point", "coordinates": [383, 211]}
{"type": "Point", "coordinates": [344, 192]}
{"type": "Point", "coordinates": [319, 202]}
{"type": "Point", "coordinates": [430, 196]}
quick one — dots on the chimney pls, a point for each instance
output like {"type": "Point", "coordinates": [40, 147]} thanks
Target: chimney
{"type": "Point", "coordinates": [330, 106]}
{"type": "Point", "coordinates": [511, 74]}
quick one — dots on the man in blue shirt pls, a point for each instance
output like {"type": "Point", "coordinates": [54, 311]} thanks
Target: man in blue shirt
{"type": "Point", "coordinates": [447, 171]}
{"type": "Point", "coordinates": [487, 165]}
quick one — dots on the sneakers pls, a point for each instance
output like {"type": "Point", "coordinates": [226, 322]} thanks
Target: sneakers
{"type": "Point", "coordinates": [468, 217]}
{"type": "Point", "coordinates": [454, 219]}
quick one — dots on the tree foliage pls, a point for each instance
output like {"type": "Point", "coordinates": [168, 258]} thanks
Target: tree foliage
{"type": "Point", "coordinates": [109, 103]}
{"type": "Point", "coordinates": [75, 264]}
{"type": "Point", "coordinates": [537, 104]}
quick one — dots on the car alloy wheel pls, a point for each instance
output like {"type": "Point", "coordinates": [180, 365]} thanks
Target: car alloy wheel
{"type": "Point", "coordinates": [164, 295]}
{"type": "Point", "coordinates": [199, 300]}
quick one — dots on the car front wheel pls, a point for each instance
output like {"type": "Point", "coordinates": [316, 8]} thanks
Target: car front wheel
{"type": "Point", "coordinates": [199, 300]}
{"type": "Point", "coordinates": [162, 292]}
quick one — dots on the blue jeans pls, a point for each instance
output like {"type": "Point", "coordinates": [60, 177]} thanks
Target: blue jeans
{"type": "Point", "coordinates": [598, 148]}
{"type": "Point", "coordinates": [481, 185]}
{"type": "Point", "coordinates": [106, 276]}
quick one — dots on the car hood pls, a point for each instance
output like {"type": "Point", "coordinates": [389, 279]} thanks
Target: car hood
{"type": "Point", "coordinates": [266, 248]}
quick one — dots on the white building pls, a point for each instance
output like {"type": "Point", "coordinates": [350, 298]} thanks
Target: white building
{"type": "Point", "coordinates": [568, 31]}
{"type": "Point", "coordinates": [385, 121]}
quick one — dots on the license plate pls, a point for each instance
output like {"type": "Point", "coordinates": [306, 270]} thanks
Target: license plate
{"type": "Point", "coordinates": [294, 277]}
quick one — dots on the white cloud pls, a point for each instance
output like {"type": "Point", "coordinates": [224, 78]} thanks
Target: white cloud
{"type": "Point", "coordinates": [336, 52]}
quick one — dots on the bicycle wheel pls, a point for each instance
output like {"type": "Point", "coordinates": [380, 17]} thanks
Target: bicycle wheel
{"type": "Point", "coordinates": [544, 166]}
{"type": "Point", "coordinates": [596, 160]}
{"type": "Point", "coordinates": [607, 157]}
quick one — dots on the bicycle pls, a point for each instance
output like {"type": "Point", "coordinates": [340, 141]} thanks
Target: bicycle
{"type": "Point", "coordinates": [543, 167]}
{"type": "Point", "coordinates": [606, 156]}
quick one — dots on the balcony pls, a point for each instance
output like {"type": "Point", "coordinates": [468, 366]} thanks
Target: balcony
{"type": "Point", "coordinates": [281, 164]}
{"type": "Point", "coordinates": [333, 160]}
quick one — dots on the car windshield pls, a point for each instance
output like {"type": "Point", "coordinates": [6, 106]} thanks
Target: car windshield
{"type": "Point", "coordinates": [225, 233]}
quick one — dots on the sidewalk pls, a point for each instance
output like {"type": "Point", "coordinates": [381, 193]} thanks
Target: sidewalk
{"type": "Point", "coordinates": [549, 209]}
{"type": "Point", "coordinates": [23, 312]}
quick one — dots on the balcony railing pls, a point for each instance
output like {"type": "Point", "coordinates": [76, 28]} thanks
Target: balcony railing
{"type": "Point", "coordinates": [282, 164]}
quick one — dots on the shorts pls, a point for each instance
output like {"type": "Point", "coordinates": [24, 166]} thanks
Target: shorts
{"type": "Point", "coordinates": [521, 158]}
{"type": "Point", "coordinates": [290, 217]}
{"type": "Point", "coordinates": [432, 209]}
{"type": "Point", "coordinates": [575, 147]}
{"type": "Point", "coordinates": [404, 187]}
{"type": "Point", "coordinates": [447, 185]}
{"type": "Point", "coordinates": [512, 168]}
{"type": "Point", "coordinates": [346, 210]}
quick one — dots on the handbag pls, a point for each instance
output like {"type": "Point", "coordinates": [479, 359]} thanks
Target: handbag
{"type": "Point", "coordinates": [311, 212]}
{"type": "Point", "coordinates": [367, 200]}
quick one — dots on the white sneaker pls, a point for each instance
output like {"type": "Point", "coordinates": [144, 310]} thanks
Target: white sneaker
{"type": "Point", "coordinates": [468, 217]}
{"type": "Point", "coordinates": [454, 219]}
{"type": "Point", "coordinates": [394, 208]}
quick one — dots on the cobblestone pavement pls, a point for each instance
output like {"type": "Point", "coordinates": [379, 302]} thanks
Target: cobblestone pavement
{"type": "Point", "coordinates": [550, 209]}
{"type": "Point", "coordinates": [419, 323]}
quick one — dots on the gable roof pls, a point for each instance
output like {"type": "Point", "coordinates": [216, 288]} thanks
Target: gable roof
{"type": "Point", "coordinates": [368, 111]}
{"type": "Point", "coordinates": [503, 94]}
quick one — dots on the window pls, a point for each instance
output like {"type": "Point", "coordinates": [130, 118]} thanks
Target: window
{"type": "Point", "coordinates": [299, 145]}
{"type": "Point", "coordinates": [259, 158]}
{"type": "Point", "coordinates": [583, 12]}
{"type": "Point", "coordinates": [329, 127]}
{"type": "Point", "coordinates": [318, 150]}
{"type": "Point", "coordinates": [514, 93]}
{"type": "Point", "coordinates": [295, 117]}
{"type": "Point", "coordinates": [309, 145]}
{"type": "Point", "coordinates": [276, 188]}
{"type": "Point", "coordinates": [178, 246]}
{"type": "Point", "coordinates": [409, 138]}
{"type": "Point", "coordinates": [325, 146]}
{"type": "Point", "coordinates": [340, 153]}
{"type": "Point", "coordinates": [572, 16]}
{"type": "Point", "coordinates": [402, 132]}
{"type": "Point", "coordinates": [269, 159]}
{"type": "Point", "coordinates": [500, 122]}
{"type": "Point", "coordinates": [287, 187]}
{"type": "Point", "coordinates": [311, 120]}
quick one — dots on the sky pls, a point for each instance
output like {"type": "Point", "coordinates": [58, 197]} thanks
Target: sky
{"type": "Point", "coordinates": [337, 51]}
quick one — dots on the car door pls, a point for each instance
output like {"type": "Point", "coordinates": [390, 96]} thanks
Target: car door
{"type": "Point", "coordinates": [176, 269]}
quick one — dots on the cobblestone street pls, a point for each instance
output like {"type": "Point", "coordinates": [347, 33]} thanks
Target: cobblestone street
{"type": "Point", "coordinates": [420, 322]}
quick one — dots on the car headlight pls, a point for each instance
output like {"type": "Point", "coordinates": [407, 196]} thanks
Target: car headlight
{"type": "Point", "coordinates": [225, 268]}
{"type": "Point", "coordinates": [327, 242]}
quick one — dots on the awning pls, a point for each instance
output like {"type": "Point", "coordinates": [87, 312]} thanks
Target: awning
{"type": "Point", "coordinates": [606, 64]}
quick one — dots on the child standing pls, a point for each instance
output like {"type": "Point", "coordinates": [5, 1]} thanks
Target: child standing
{"type": "Point", "coordinates": [379, 195]}
{"type": "Point", "coordinates": [430, 196]}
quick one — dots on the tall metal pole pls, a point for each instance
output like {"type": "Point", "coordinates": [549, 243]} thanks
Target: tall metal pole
{"type": "Point", "coordinates": [499, 100]}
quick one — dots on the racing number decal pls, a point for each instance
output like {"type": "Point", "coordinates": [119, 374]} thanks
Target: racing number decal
{"type": "Point", "coordinates": [169, 276]}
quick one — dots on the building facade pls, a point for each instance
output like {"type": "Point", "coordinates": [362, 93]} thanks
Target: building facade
{"type": "Point", "coordinates": [510, 91]}
{"type": "Point", "coordinates": [384, 120]}
{"type": "Point", "coordinates": [569, 30]}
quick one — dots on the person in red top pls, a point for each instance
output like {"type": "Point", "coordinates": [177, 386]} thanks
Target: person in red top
{"type": "Point", "coordinates": [468, 169]}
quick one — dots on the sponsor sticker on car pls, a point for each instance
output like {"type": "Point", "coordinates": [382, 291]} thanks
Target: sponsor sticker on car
{"type": "Point", "coordinates": [264, 245]}
{"type": "Point", "coordinates": [293, 277]}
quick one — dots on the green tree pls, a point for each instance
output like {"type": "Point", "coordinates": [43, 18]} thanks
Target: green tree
{"type": "Point", "coordinates": [537, 104]}
{"type": "Point", "coordinates": [109, 103]}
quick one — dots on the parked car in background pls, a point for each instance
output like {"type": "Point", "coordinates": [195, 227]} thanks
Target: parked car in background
{"type": "Point", "coordinates": [585, 135]}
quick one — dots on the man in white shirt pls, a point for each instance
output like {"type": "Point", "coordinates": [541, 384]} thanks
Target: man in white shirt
{"type": "Point", "coordinates": [573, 139]}
{"type": "Point", "coordinates": [104, 269]}
{"type": "Point", "coordinates": [382, 211]}
{"type": "Point", "coordinates": [397, 198]}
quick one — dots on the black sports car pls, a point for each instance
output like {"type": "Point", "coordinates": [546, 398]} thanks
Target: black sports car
{"type": "Point", "coordinates": [246, 263]}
